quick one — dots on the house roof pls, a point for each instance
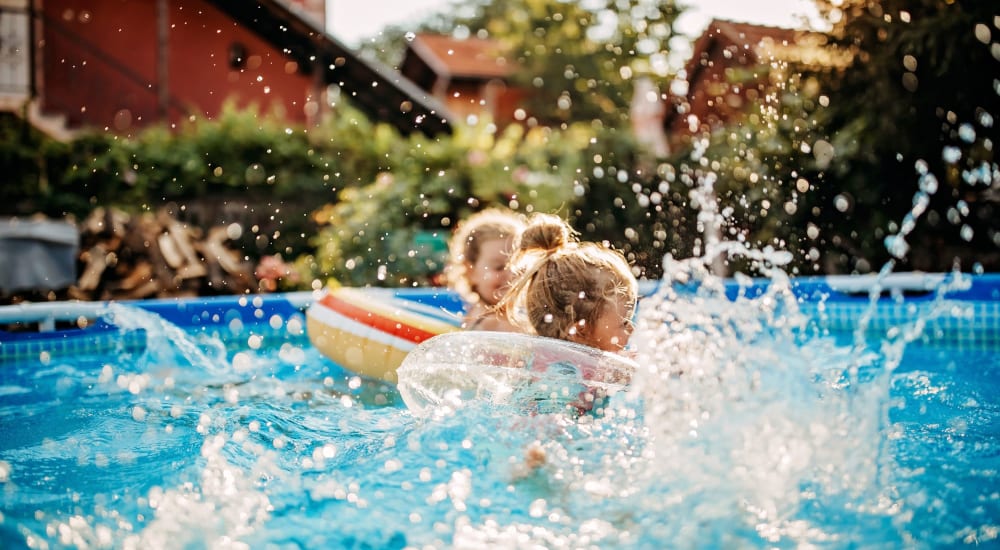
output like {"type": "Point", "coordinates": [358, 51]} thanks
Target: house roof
{"type": "Point", "coordinates": [754, 41]}
{"type": "Point", "coordinates": [382, 93]}
{"type": "Point", "coordinates": [748, 43]}
{"type": "Point", "coordinates": [462, 58]}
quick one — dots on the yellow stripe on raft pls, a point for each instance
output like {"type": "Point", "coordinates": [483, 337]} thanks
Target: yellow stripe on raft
{"type": "Point", "coordinates": [392, 308]}
{"type": "Point", "coordinates": [356, 353]}
{"type": "Point", "coordinates": [368, 333]}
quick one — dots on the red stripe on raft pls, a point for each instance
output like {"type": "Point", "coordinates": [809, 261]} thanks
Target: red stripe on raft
{"type": "Point", "coordinates": [376, 321]}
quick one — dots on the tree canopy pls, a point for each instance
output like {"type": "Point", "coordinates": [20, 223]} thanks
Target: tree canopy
{"type": "Point", "coordinates": [887, 156]}
{"type": "Point", "coordinates": [577, 58]}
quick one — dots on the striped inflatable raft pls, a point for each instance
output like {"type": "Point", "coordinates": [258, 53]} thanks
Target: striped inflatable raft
{"type": "Point", "coordinates": [370, 331]}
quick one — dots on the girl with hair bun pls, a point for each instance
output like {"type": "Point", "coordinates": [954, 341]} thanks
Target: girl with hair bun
{"type": "Point", "coordinates": [479, 252]}
{"type": "Point", "coordinates": [565, 289]}
{"type": "Point", "coordinates": [579, 292]}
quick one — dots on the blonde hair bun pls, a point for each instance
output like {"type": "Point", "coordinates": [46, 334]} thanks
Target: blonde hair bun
{"type": "Point", "coordinates": [546, 233]}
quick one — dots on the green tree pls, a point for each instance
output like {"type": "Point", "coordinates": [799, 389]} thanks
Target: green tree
{"type": "Point", "coordinates": [893, 133]}
{"type": "Point", "coordinates": [578, 59]}
{"type": "Point", "coordinates": [33, 166]}
{"type": "Point", "coordinates": [912, 117]}
{"type": "Point", "coordinates": [392, 231]}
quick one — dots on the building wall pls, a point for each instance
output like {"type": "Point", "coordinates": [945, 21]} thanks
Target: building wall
{"type": "Point", "coordinates": [200, 71]}
{"type": "Point", "coordinates": [98, 61]}
{"type": "Point", "coordinates": [721, 91]}
{"type": "Point", "coordinates": [101, 65]}
{"type": "Point", "coordinates": [478, 97]}
{"type": "Point", "coordinates": [720, 95]}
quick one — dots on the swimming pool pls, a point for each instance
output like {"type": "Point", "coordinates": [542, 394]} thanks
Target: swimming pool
{"type": "Point", "coordinates": [807, 413]}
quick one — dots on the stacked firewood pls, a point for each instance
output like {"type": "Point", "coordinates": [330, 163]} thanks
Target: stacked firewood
{"type": "Point", "coordinates": [124, 257]}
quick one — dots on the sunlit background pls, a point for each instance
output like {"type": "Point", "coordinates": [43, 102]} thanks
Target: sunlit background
{"type": "Point", "coordinates": [813, 217]}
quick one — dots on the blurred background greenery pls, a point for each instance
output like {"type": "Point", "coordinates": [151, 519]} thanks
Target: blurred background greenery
{"type": "Point", "coordinates": [357, 202]}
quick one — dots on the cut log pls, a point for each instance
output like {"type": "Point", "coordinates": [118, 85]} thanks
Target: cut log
{"type": "Point", "coordinates": [95, 222]}
{"type": "Point", "coordinates": [96, 262]}
{"type": "Point", "coordinates": [141, 274]}
{"type": "Point", "coordinates": [214, 249]}
{"type": "Point", "coordinates": [145, 290]}
{"type": "Point", "coordinates": [144, 256]}
{"type": "Point", "coordinates": [169, 250]}
{"type": "Point", "coordinates": [182, 237]}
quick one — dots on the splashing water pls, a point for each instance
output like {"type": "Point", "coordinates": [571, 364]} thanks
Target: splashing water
{"type": "Point", "coordinates": [748, 425]}
{"type": "Point", "coordinates": [745, 414]}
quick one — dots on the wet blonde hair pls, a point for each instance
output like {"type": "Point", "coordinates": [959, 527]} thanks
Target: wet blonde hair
{"type": "Point", "coordinates": [467, 243]}
{"type": "Point", "coordinates": [562, 286]}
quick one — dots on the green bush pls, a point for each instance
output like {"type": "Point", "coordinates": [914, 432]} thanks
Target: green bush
{"type": "Point", "coordinates": [391, 231]}
{"type": "Point", "coordinates": [353, 200]}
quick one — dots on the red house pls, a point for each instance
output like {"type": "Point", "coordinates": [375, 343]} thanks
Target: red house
{"type": "Point", "coordinates": [123, 64]}
{"type": "Point", "coordinates": [470, 76]}
{"type": "Point", "coordinates": [728, 71]}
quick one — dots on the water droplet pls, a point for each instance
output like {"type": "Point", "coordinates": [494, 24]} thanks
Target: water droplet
{"type": "Point", "coordinates": [983, 33]}
{"type": "Point", "coordinates": [967, 133]}
{"type": "Point", "coordinates": [255, 341]}
{"type": "Point", "coordinates": [897, 246]}
{"type": "Point", "coordinates": [951, 154]}
{"type": "Point", "coordinates": [967, 233]}
{"type": "Point", "coordinates": [537, 508]}
{"type": "Point", "coordinates": [928, 184]}
{"type": "Point", "coordinates": [410, 36]}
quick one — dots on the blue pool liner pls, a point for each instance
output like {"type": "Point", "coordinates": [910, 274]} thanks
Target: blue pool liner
{"type": "Point", "coordinates": [28, 330]}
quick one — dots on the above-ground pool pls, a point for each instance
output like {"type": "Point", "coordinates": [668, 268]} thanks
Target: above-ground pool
{"type": "Point", "coordinates": [764, 414]}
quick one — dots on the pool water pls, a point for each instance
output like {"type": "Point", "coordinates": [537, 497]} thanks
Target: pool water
{"type": "Point", "coordinates": [746, 431]}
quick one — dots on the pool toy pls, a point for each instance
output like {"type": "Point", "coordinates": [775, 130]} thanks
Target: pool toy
{"type": "Point", "coordinates": [370, 331]}
{"type": "Point", "coordinates": [531, 373]}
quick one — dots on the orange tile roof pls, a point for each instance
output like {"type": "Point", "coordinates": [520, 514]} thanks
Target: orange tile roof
{"type": "Point", "coordinates": [751, 35]}
{"type": "Point", "coordinates": [748, 43]}
{"type": "Point", "coordinates": [469, 57]}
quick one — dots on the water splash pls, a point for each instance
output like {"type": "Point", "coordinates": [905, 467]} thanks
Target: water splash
{"type": "Point", "coordinates": [169, 344]}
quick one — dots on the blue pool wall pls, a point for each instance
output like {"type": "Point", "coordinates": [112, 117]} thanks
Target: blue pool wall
{"type": "Point", "coordinates": [838, 303]}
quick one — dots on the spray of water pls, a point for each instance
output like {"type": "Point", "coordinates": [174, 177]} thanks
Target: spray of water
{"type": "Point", "coordinates": [757, 417]}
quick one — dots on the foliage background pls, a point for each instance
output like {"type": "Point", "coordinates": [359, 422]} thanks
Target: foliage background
{"type": "Point", "coordinates": [833, 161]}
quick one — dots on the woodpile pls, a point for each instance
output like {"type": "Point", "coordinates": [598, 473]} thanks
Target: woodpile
{"type": "Point", "coordinates": [125, 257]}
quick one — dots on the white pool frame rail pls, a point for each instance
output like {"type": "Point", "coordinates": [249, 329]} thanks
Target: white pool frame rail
{"type": "Point", "coordinates": [46, 314]}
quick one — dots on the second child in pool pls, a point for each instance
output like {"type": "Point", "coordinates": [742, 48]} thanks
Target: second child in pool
{"type": "Point", "coordinates": [480, 250]}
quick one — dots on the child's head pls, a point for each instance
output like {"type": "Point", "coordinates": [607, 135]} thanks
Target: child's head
{"type": "Point", "coordinates": [479, 250]}
{"type": "Point", "coordinates": [581, 292]}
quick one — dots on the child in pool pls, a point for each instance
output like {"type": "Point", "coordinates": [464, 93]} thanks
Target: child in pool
{"type": "Point", "coordinates": [565, 289]}
{"type": "Point", "coordinates": [580, 292]}
{"type": "Point", "coordinates": [478, 271]}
